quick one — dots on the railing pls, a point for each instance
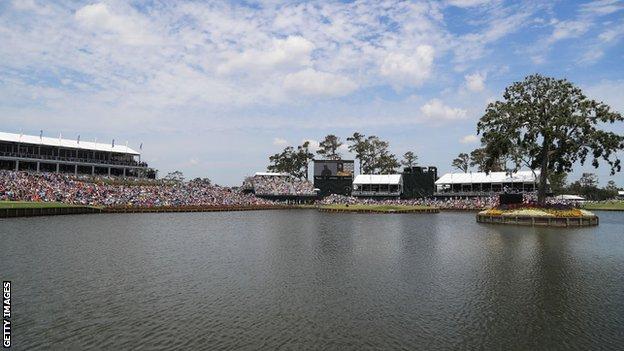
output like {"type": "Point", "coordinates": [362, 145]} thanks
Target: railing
{"type": "Point", "coordinates": [73, 159]}
{"type": "Point", "coordinates": [375, 193]}
{"type": "Point", "coordinates": [480, 193]}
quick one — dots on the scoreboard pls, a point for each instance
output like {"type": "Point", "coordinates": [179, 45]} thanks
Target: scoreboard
{"type": "Point", "coordinates": [333, 168]}
{"type": "Point", "coordinates": [333, 176]}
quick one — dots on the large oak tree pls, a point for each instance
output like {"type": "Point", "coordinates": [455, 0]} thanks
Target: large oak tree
{"type": "Point", "coordinates": [549, 124]}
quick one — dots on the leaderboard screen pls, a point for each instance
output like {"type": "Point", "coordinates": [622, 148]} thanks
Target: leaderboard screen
{"type": "Point", "coordinates": [333, 168]}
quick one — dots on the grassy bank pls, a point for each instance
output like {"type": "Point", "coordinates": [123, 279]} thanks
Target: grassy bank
{"type": "Point", "coordinates": [605, 206]}
{"type": "Point", "coordinates": [28, 204]}
{"type": "Point", "coordinates": [376, 208]}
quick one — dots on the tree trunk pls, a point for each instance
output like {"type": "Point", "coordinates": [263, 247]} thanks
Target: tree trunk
{"type": "Point", "coordinates": [541, 190]}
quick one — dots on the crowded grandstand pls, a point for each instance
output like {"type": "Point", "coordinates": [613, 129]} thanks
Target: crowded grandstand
{"type": "Point", "coordinates": [277, 185]}
{"type": "Point", "coordinates": [114, 192]}
{"type": "Point", "coordinates": [98, 191]}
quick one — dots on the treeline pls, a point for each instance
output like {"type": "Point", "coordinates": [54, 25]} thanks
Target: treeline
{"type": "Point", "coordinates": [478, 158]}
{"type": "Point", "coordinates": [586, 186]}
{"type": "Point", "coordinates": [372, 153]}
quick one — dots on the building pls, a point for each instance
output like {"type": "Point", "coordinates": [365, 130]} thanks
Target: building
{"type": "Point", "coordinates": [378, 185]}
{"type": "Point", "coordinates": [620, 195]}
{"type": "Point", "coordinates": [419, 182]}
{"type": "Point", "coordinates": [44, 154]}
{"type": "Point", "coordinates": [333, 176]}
{"type": "Point", "coordinates": [484, 184]}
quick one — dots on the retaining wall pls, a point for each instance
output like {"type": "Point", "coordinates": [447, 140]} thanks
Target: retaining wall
{"type": "Point", "coordinates": [539, 221]}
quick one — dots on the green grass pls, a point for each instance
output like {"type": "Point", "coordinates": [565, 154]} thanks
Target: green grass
{"type": "Point", "coordinates": [606, 206]}
{"type": "Point", "coordinates": [381, 208]}
{"type": "Point", "coordinates": [27, 204]}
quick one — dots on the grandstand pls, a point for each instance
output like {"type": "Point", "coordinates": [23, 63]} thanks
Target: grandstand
{"type": "Point", "coordinates": [279, 186]}
{"type": "Point", "coordinates": [378, 185]}
{"type": "Point", "coordinates": [20, 152]}
{"type": "Point", "coordinates": [485, 184]}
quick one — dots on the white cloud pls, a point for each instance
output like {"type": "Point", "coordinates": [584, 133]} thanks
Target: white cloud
{"type": "Point", "coordinates": [469, 139]}
{"type": "Point", "coordinates": [31, 5]}
{"type": "Point", "coordinates": [408, 69]}
{"type": "Point", "coordinates": [468, 3]}
{"type": "Point", "coordinates": [280, 142]}
{"type": "Point", "coordinates": [602, 7]}
{"type": "Point", "coordinates": [293, 51]}
{"type": "Point", "coordinates": [313, 82]}
{"type": "Point", "coordinates": [612, 34]}
{"type": "Point", "coordinates": [129, 30]}
{"type": "Point", "coordinates": [476, 81]}
{"type": "Point", "coordinates": [437, 111]}
{"type": "Point", "coordinates": [562, 30]}
{"type": "Point", "coordinates": [592, 55]}
{"type": "Point", "coordinates": [568, 29]}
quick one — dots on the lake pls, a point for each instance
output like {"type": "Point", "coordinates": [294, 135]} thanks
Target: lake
{"type": "Point", "coordinates": [300, 279]}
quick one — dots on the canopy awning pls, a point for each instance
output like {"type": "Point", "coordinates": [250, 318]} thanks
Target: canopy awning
{"type": "Point", "coordinates": [66, 143]}
{"type": "Point", "coordinates": [377, 179]}
{"type": "Point", "coordinates": [492, 177]}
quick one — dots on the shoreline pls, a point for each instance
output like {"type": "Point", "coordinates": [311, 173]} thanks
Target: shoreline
{"type": "Point", "coordinates": [9, 209]}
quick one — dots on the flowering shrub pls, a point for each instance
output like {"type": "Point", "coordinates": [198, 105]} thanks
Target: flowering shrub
{"type": "Point", "coordinates": [522, 210]}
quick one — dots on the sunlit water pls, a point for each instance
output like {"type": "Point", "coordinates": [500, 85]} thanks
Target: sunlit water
{"type": "Point", "coordinates": [300, 279]}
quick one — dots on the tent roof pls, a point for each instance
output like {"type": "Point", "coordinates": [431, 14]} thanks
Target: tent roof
{"type": "Point", "coordinates": [67, 143]}
{"type": "Point", "coordinates": [492, 177]}
{"type": "Point", "coordinates": [377, 179]}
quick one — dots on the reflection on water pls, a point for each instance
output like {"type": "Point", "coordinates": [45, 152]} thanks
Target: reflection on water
{"type": "Point", "coordinates": [301, 279]}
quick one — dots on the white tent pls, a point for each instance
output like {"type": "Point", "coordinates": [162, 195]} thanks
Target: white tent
{"type": "Point", "coordinates": [492, 177]}
{"type": "Point", "coordinates": [378, 179]}
{"type": "Point", "coordinates": [378, 185]}
{"type": "Point", "coordinates": [481, 182]}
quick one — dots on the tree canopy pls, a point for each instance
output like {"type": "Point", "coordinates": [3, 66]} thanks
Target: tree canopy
{"type": "Point", "coordinates": [549, 124]}
{"type": "Point", "coordinates": [461, 162]}
{"type": "Point", "coordinates": [328, 148]}
{"type": "Point", "coordinates": [409, 159]}
{"type": "Point", "coordinates": [291, 161]}
{"type": "Point", "coordinates": [478, 158]}
{"type": "Point", "coordinates": [373, 154]}
{"type": "Point", "coordinates": [587, 186]}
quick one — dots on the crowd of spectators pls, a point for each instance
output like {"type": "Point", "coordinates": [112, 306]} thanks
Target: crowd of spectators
{"type": "Point", "coordinates": [54, 187]}
{"type": "Point", "coordinates": [272, 185]}
{"type": "Point", "coordinates": [111, 192]}
{"type": "Point", "coordinates": [448, 203]}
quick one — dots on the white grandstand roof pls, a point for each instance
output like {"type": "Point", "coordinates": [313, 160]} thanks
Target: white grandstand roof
{"type": "Point", "coordinates": [377, 179]}
{"type": "Point", "coordinates": [68, 143]}
{"type": "Point", "coordinates": [269, 174]}
{"type": "Point", "coordinates": [492, 177]}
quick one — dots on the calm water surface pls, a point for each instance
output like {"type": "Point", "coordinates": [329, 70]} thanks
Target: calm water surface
{"type": "Point", "coordinates": [300, 279]}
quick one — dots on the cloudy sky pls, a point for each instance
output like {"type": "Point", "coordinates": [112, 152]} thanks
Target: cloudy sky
{"type": "Point", "coordinates": [212, 88]}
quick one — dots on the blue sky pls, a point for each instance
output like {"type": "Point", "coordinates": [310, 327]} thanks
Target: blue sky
{"type": "Point", "coordinates": [212, 88]}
